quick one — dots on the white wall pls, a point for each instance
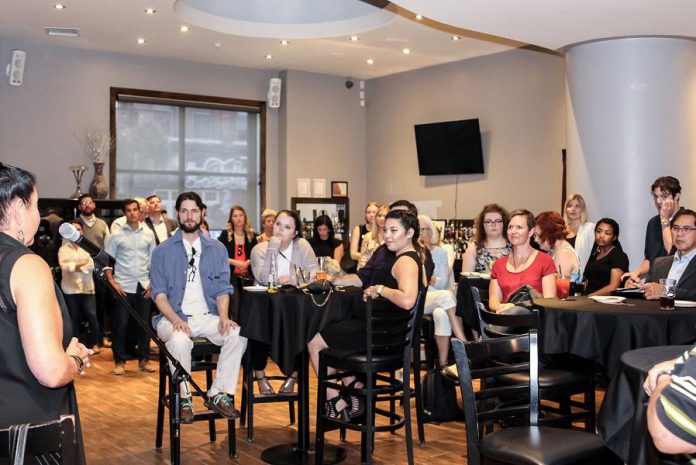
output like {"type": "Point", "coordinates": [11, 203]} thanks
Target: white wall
{"type": "Point", "coordinates": [518, 97]}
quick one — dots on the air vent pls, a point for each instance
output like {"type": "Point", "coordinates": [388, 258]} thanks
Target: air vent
{"type": "Point", "coordinates": [63, 31]}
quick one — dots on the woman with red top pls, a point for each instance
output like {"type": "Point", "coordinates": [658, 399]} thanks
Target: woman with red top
{"type": "Point", "coordinates": [239, 239]}
{"type": "Point", "coordinates": [524, 265]}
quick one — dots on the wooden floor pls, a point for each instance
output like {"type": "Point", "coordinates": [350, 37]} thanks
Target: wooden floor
{"type": "Point", "coordinates": [118, 416]}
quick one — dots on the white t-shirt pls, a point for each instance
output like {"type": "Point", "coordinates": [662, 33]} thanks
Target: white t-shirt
{"type": "Point", "coordinates": [194, 298]}
{"type": "Point", "coordinates": [283, 263]}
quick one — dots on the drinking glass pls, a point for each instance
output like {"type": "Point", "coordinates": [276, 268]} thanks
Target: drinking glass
{"type": "Point", "coordinates": [562, 287]}
{"type": "Point", "coordinates": [668, 290]}
{"type": "Point", "coordinates": [322, 271]}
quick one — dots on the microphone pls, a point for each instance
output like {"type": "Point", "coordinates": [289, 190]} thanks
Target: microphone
{"type": "Point", "coordinates": [71, 234]}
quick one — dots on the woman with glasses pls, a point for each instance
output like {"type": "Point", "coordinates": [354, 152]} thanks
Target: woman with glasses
{"type": "Point", "coordinates": [239, 239]}
{"type": "Point", "coordinates": [489, 243]}
{"type": "Point", "coordinates": [580, 232]}
{"type": "Point", "coordinates": [523, 266]}
{"type": "Point", "coordinates": [608, 262]}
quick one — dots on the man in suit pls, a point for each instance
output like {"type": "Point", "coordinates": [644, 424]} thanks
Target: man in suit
{"type": "Point", "coordinates": [161, 226]}
{"type": "Point", "coordinates": [679, 266]}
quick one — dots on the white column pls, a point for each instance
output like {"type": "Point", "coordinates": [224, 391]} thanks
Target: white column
{"type": "Point", "coordinates": [631, 117]}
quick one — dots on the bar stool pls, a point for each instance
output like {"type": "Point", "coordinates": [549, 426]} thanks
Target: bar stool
{"type": "Point", "coordinates": [202, 359]}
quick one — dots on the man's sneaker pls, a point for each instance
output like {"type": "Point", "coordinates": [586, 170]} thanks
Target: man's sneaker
{"type": "Point", "coordinates": [222, 404]}
{"type": "Point", "coordinates": [120, 369]}
{"type": "Point", "coordinates": [144, 365]}
{"type": "Point", "coordinates": [186, 411]}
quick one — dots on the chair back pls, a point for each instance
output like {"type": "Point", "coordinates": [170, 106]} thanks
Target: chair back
{"type": "Point", "coordinates": [495, 325]}
{"type": "Point", "coordinates": [476, 360]}
{"type": "Point", "coordinates": [55, 438]}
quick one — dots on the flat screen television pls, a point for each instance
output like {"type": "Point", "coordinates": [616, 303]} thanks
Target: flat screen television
{"type": "Point", "coordinates": [449, 147]}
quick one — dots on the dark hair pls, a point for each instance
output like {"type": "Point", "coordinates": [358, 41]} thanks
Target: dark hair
{"type": "Point", "coordinates": [667, 184]}
{"type": "Point", "coordinates": [480, 236]}
{"type": "Point", "coordinates": [526, 213]}
{"type": "Point", "coordinates": [323, 220]}
{"type": "Point", "coordinates": [189, 196]}
{"type": "Point", "coordinates": [84, 196]}
{"type": "Point", "coordinates": [552, 227]}
{"type": "Point", "coordinates": [14, 183]}
{"type": "Point", "coordinates": [684, 212]}
{"type": "Point", "coordinates": [408, 221]}
{"type": "Point", "coordinates": [405, 203]}
{"type": "Point", "coordinates": [152, 197]}
{"type": "Point", "coordinates": [615, 227]}
{"type": "Point", "coordinates": [75, 221]}
{"type": "Point", "coordinates": [296, 218]}
{"type": "Point", "coordinates": [127, 202]}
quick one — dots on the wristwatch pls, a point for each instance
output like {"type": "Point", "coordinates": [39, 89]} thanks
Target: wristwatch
{"type": "Point", "coordinates": [380, 288]}
{"type": "Point", "coordinates": [664, 222]}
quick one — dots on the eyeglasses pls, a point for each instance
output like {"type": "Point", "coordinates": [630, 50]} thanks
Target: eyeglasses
{"type": "Point", "coordinates": [490, 222]}
{"type": "Point", "coordinates": [191, 266]}
{"type": "Point", "coordinates": [86, 202]}
{"type": "Point", "coordinates": [684, 229]}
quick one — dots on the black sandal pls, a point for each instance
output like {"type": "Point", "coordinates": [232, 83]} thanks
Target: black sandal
{"type": "Point", "coordinates": [356, 403]}
{"type": "Point", "coordinates": [334, 414]}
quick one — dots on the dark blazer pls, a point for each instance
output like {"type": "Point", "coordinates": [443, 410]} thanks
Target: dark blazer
{"type": "Point", "coordinates": [248, 245]}
{"type": "Point", "coordinates": [686, 287]}
{"type": "Point", "coordinates": [170, 223]}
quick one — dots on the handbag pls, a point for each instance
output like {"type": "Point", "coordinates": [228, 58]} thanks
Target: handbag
{"type": "Point", "coordinates": [439, 398]}
{"type": "Point", "coordinates": [523, 297]}
{"type": "Point", "coordinates": [317, 288]}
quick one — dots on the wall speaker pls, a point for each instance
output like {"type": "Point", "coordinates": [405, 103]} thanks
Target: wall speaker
{"type": "Point", "coordinates": [15, 70]}
{"type": "Point", "coordinates": [274, 88]}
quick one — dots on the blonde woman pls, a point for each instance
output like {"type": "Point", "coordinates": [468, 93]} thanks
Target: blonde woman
{"type": "Point", "coordinates": [360, 230]}
{"type": "Point", "coordinates": [580, 232]}
{"type": "Point", "coordinates": [373, 239]}
{"type": "Point", "coordinates": [267, 220]}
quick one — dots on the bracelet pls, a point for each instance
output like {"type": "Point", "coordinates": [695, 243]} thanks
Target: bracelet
{"type": "Point", "coordinates": [80, 363]}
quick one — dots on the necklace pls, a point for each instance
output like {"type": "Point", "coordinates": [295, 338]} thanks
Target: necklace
{"type": "Point", "coordinates": [514, 262]}
{"type": "Point", "coordinates": [601, 253]}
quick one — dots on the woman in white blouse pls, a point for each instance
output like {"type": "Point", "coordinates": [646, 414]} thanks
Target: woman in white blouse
{"type": "Point", "coordinates": [77, 284]}
{"type": "Point", "coordinates": [580, 231]}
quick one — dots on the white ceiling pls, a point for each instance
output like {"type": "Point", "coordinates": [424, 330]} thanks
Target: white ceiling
{"type": "Point", "coordinates": [115, 26]}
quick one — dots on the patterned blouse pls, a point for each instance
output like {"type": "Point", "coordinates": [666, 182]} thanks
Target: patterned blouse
{"type": "Point", "coordinates": [485, 257]}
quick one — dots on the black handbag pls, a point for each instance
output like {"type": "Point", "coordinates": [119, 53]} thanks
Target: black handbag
{"type": "Point", "coordinates": [439, 398]}
{"type": "Point", "coordinates": [318, 288]}
{"type": "Point", "coordinates": [524, 296]}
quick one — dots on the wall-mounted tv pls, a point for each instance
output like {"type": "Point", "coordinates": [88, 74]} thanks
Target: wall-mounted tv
{"type": "Point", "coordinates": [449, 147]}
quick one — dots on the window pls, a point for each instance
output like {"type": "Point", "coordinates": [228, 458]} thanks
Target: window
{"type": "Point", "coordinates": [170, 143]}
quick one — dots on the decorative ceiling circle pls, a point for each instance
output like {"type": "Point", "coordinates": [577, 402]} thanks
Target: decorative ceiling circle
{"type": "Point", "coordinates": [287, 19]}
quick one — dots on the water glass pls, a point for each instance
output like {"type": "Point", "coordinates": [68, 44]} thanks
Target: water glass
{"type": "Point", "coordinates": [668, 290]}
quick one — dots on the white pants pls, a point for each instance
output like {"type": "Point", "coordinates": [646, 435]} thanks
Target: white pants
{"type": "Point", "coordinates": [436, 303]}
{"type": "Point", "coordinates": [229, 361]}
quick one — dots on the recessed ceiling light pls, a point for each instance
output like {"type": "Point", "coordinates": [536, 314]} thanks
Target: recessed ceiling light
{"type": "Point", "coordinates": [269, 56]}
{"type": "Point", "coordinates": [141, 41]}
{"type": "Point", "coordinates": [419, 17]}
{"type": "Point", "coordinates": [150, 11]}
{"type": "Point", "coordinates": [59, 6]}
{"type": "Point", "coordinates": [406, 51]}
{"type": "Point", "coordinates": [354, 38]}
{"type": "Point", "coordinates": [217, 45]}
{"type": "Point", "coordinates": [284, 42]}
{"type": "Point", "coordinates": [456, 38]}
{"type": "Point", "coordinates": [370, 61]}
{"type": "Point", "coordinates": [184, 28]}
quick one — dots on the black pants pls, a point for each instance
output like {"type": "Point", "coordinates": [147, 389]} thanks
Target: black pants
{"type": "Point", "coordinates": [121, 317]}
{"type": "Point", "coordinates": [84, 307]}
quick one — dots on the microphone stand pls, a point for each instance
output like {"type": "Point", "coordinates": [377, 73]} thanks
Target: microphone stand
{"type": "Point", "coordinates": [179, 375]}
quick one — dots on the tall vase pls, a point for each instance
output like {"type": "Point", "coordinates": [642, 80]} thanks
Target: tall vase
{"type": "Point", "coordinates": [98, 187]}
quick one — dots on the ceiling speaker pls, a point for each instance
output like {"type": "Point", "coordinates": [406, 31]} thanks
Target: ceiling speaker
{"type": "Point", "coordinates": [15, 70]}
{"type": "Point", "coordinates": [274, 88]}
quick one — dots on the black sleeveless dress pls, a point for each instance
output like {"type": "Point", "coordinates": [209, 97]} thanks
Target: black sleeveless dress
{"type": "Point", "coordinates": [22, 398]}
{"type": "Point", "coordinates": [348, 337]}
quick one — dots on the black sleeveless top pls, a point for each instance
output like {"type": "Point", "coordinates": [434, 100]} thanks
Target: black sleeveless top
{"type": "Point", "coordinates": [363, 231]}
{"type": "Point", "coordinates": [22, 398]}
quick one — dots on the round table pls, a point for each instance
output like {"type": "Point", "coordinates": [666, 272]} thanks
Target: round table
{"type": "Point", "coordinates": [602, 332]}
{"type": "Point", "coordinates": [622, 423]}
{"type": "Point", "coordinates": [287, 320]}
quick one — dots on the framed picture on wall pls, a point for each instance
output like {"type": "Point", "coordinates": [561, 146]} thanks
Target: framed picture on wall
{"type": "Point", "coordinates": [339, 189]}
{"type": "Point", "coordinates": [304, 187]}
{"type": "Point", "coordinates": [319, 188]}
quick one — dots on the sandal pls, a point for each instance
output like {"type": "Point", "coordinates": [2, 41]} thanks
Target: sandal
{"type": "Point", "coordinates": [265, 388]}
{"type": "Point", "coordinates": [356, 403]}
{"type": "Point", "coordinates": [288, 386]}
{"type": "Point", "coordinates": [334, 414]}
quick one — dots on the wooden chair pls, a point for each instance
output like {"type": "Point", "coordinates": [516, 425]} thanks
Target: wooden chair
{"type": "Point", "coordinates": [202, 359]}
{"type": "Point", "coordinates": [484, 412]}
{"type": "Point", "coordinates": [389, 347]}
{"type": "Point", "coordinates": [50, 442]}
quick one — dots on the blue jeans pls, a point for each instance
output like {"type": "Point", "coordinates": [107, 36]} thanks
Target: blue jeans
{"type": "Point", "coordinates": [120, 325]}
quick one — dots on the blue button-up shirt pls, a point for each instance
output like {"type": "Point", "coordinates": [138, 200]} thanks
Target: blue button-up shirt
{"type": "Point", "coordinates": [170, 266]}
{"type": "Point", "coordinates": [132, 250]}
{"type": "Point", "coordinates": [679, 264]}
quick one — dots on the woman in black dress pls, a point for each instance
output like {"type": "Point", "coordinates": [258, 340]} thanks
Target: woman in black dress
{"type": "Point", "coordinates": [399, 283]}
{"type": "Point", "coordinates": [40, 358]}
{"type": "Point", "coordinates": [607, 261]}
{"type": "Point", "coordinates": [323, 241]}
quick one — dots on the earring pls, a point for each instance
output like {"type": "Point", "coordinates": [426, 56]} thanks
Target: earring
{"type": "Point", "coordinates": [20, 235]}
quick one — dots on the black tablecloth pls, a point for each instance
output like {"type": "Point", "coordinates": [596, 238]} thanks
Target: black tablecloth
{"type": "Point", "coordinates": [622, 422]}
{"type": "Point", "coordinates": [288, 320]}
{"type": "Point", "coordinates": [602, 332]}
